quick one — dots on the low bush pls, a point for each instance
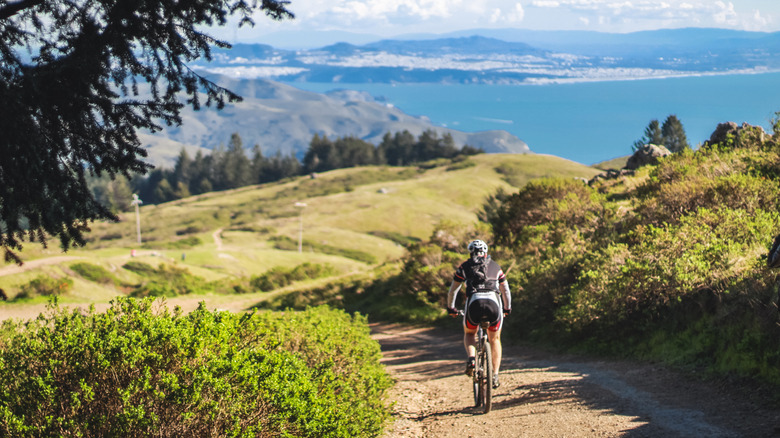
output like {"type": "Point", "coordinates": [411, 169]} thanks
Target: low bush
{"type": "Point", "coordinates": [189, 230]}
{"type": "Point", "coordinates": [140, 268]}
{"type": "Point", "coordinates": [166, 280]}
{"type": "Point", "coordinates": [139, 370]}
{"type": "Point", "coordinates": [95, 273]}
{"type": "Point", "coordinates": [280, 277]}
{"type": "Point", "coordinates": [44, 286]}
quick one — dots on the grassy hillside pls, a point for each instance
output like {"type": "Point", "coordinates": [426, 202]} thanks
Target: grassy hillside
{"type": "Point", "coordinates": [354, 220]}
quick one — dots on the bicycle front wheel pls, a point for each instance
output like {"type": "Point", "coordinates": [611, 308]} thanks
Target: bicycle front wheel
{"type": "Point", "coordinates": [487, 379]}
{"type": "Point", "coordinates": [477, 390]}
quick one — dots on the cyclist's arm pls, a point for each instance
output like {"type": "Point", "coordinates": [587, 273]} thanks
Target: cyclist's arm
{"type": "Point", "coordinates": [506, 295]}
{"type": "Point", "coordinates": [452, 294]}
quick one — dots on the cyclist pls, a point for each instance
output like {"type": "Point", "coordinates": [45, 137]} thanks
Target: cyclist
{"type": "Point", "coordinates": [487, 299]}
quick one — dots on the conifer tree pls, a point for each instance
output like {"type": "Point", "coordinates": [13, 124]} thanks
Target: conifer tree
{"type": "Point", "coordinates": [652, 135]}
{"type": "Point", "coordinates": [258, 165]}
{"type": "Point", "coordinates": [674, 134]}
{"type": "Point", "coordinates": [322, 155]}
{"type": "Point", "coordinates": [77, 79]}
{"type": "Point", "coordinates": [355, 152]}
{"type": "Point", "coordinates": [397, 149]}
{"type": "Point", "coordinates": [236, 166]}
{"type": "Point", "coordinates": [200, 174]}
{"type": "Point", "coordinates": [182, 170]}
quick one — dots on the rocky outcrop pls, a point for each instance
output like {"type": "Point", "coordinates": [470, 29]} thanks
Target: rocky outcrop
{"type": "Point", "coordinates": [729, 132]}
{"type": "Point", "coordinates": [610, 174]}
{"type": "Point", "coordinates": [648, 154]}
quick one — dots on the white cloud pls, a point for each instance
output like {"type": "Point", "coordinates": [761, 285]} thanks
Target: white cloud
{"type": "Point", "coordinates": [512, 15]}
{"type": "Point", "coordinates": [373, 9]}
{"type": "Point", "coordinates": [757, 21]}
{"type": "Point", "coordinates": [724, 13]}
{"type": "Point", "coordinates": [662, 13]}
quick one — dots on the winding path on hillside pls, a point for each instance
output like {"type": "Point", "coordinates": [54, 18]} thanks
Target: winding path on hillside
{"type": "Point", "coordinates": [217, 236]}
{"type": "Point", "coordinates": [32, 264]}
{"type": "Point", "coordinates": [551, 395]}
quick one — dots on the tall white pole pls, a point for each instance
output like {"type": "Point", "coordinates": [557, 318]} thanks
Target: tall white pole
{"type": "Point", "coordinates": [137, 202]}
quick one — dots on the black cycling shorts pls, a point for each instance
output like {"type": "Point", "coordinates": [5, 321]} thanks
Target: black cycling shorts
{"type": "Point", "coordinates": [479, 311]}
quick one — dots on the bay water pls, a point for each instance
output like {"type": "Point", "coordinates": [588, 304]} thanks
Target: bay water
{"type": "Point", "coordinates": [586, 122]}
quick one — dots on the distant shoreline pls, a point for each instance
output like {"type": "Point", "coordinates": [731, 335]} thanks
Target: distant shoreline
{"type": "Point", "coordinates": [273, 74]}
{"type": "Point", "coordinates": [558, 81]}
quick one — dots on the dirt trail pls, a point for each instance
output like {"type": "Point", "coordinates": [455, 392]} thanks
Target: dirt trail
{"type": "Point", "coordinates": [548, 395]}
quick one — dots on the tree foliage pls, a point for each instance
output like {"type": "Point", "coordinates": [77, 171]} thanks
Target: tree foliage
{"type": "Point", "coordinates": [671, 135]}
{"type": "Point", "coordinates": [674, 134]}
{"type": "Point", "coordinates": [652, 135]}
{"type": "Point", "coordinates": [77, 79]}
{"type": "Point", "coordinates": [231, 168]}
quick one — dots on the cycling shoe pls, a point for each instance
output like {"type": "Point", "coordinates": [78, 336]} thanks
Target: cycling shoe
{"type": "Point", "coordinates": [470, 364]}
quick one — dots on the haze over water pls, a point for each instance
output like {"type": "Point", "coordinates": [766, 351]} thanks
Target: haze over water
{"type": "Point", "coordinates": [587, 122]}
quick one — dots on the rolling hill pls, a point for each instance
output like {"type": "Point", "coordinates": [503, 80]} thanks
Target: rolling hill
{"type": "Point", "coordinates": [355, 220]}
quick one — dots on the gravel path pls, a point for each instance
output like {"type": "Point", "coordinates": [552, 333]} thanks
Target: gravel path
{"type": "Point", "coordinates": [549, 395]}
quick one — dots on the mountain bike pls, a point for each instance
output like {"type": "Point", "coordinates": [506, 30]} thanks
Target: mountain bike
{"type": "Point", "coordinates": [482, 378]}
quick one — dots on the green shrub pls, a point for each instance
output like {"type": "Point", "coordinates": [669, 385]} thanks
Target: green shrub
{"type": "Point", "coordinates": [140, 268]}
{"type": "Point", "coordinates": [706, 250]}
{"type": "Point", "coordinates": [187, 242]}
{"type": "Point", "coordinates": [95, 273]}
{"type": "Point", "coordinates": [546, 212]}
{"type": "Point", "coordinates": [169, 280]}
{"type": "Point", "coordinates": [280, 277]}
{"type": "Point", "coordinates": [138, 370]}
{"type": "Point", "coordinates": [166, 280]}
{"type": "Point", "coordinates": [189, 230]}
{"type": "Point", "coordinates": [45, 286]}
{"type": "Point", "coordinates": [461, 163]}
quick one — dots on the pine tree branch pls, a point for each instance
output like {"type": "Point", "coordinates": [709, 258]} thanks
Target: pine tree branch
{"type": "Point", "coordinates": [14, 8]}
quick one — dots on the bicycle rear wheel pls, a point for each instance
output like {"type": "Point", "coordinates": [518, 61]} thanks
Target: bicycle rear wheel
{"type": "Point", "coordinates": [487, 379]}
{"type": "Point", "coordinates": [477, 390]}
{"type": "Point", "coordinates": [476, 380]}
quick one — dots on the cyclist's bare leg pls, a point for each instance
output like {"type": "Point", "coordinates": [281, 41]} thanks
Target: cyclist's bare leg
{"type": "Point", "coordinates": [494, 337]}
{"type": "Point", "coordinates": [470, 341]}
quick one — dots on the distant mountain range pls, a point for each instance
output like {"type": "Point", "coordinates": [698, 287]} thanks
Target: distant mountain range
{"type": "Point", "coordinates": [507, 56]}
{"type": "Point", "coordinates": [281, 118]}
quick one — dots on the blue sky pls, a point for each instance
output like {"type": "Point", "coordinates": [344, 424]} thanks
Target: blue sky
{"type": "Point", "coordinates": [395, 17]}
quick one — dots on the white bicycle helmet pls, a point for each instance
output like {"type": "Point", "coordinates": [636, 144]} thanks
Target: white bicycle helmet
{"type": "Point", "coordinates": [478, 247]}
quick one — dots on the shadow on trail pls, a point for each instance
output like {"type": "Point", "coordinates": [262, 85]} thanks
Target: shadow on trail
{"type": "Point", "coordinates": [416, 352]}
{"type": "Point", "coordinates": [607, 393]}
{"type": "Point", "coordinates": [559, 391]}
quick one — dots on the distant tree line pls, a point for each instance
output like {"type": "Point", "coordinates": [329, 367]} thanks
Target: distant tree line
{"type": "Point", "coordinates": [231, 167]}
{"type": "Point", "coordinates": [670, 134]}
